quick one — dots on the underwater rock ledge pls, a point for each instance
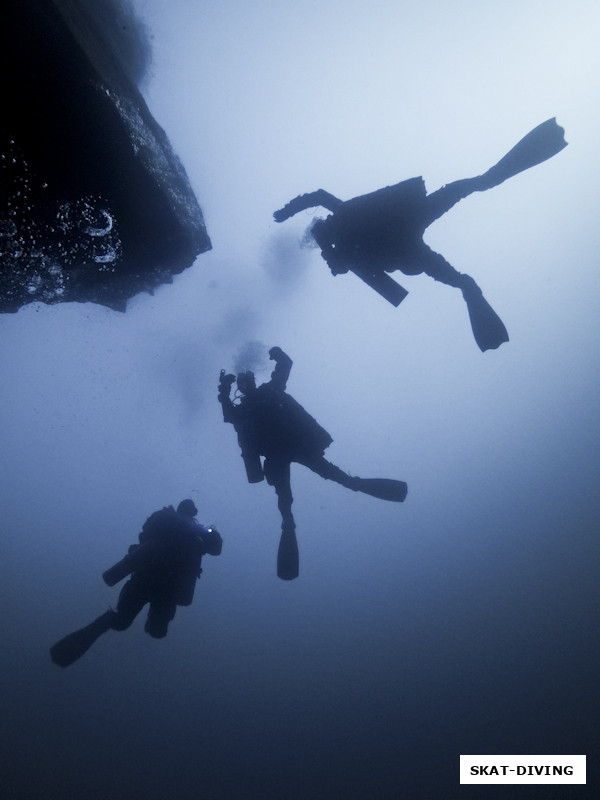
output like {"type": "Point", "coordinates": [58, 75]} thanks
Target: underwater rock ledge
{"type": "Point", "coordinates": [95, 205]}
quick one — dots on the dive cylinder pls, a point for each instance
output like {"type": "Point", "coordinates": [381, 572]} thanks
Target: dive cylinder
{"type": "Point", "coordinates": [118, 571]}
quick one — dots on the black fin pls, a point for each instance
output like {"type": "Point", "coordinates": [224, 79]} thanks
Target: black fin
{"type": "Point", "coordinates": [488, 328]}
{"type": "Point", "coordinates": [383, 488]}
{"type": "Point", "coordinates": [540, 144]}
{"type": "Point", "coordinates": [288, 559]}
{"type": "Point", "coordinates": [74, 645]}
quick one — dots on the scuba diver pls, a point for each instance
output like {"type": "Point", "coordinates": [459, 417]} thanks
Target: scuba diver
{"type": "Point", "coordinates": [164, 568]}
{"type": "Point", "coordinates": [270, 423]}
{"type": "Point", "coordinates": [381, 232]}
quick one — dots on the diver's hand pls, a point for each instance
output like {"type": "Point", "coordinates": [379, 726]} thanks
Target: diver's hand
{"type": "Point", "coordinates": [282, 214]}
{"type": "Point", "coordinates": [275, 353]}
{"type": "Point", "coordinates": [226, 380]}
{"type": "Point", "coordinates": [334, 262]}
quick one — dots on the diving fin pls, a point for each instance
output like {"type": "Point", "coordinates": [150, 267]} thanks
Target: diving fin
{"type": "Point", "coordinates": [288, 559]}
{"type": "Point", "coordinates": [540, 144]}
{"type": "Point", "coordinates": [383, 488]}
{"type": "Point", "coordinates": [74, 645]}
{"type": "Point", "coordinates": [488, 329]}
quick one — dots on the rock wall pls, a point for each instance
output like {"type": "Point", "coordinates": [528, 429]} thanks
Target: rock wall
{"type": "Point", "coordinates": [94, 204]}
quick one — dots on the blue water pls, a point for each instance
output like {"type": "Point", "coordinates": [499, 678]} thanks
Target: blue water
{"type": "Point", "coordinates": [463, 621]}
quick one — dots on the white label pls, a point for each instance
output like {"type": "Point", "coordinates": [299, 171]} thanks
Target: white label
{"type": "Point", "coordinates": [522, 769]}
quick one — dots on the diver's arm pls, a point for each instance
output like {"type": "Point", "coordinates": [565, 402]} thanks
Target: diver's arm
{"type": "Point", "coordinates": [283, 367]}
{"type": "Point", "coordinates": [227, 406]}
{"type": "Point", "coordinates": [310, 200]}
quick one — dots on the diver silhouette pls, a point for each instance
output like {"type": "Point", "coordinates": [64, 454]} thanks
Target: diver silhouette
{"type": "Point", "coordinates": [381, 232]}
{"type": "Point", "coordinates": [270, 423]}
{"type": "Point", "coordinates": [165, 565]}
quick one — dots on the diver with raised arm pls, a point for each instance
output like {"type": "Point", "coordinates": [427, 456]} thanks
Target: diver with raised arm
{"type": "Point", "coordinates": [272, 425]}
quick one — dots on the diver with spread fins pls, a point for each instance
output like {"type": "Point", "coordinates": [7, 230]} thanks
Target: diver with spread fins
{"type": "Point", "coordinates": [273, 425]}
{"type": "Point", "coordinates": [377, 233]}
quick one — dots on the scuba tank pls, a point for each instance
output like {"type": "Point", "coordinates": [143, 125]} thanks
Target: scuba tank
{"type": "Point", "coordinates": [157, 525]}
{"type": "Point", "coordinates": [251, 457]}
{"type": "Point", "coordinates": [138, 556]}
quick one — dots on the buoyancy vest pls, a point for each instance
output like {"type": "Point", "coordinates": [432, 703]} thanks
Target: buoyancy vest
{"type": "Point", "coordinates": [173, 553]}
{"type": "Point", "coordinates": [279, 424]}
{"type": "Point", "coordinates": [376, 229]}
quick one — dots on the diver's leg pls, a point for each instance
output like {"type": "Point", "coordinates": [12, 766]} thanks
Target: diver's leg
{"type": "Point", "coordinates": [488, 329]}
{"type": "Point", "coordinates": [277, 473]}
{"type": "Point", "coordinates": [160, 614]}
{"type": "Point", "coordinates": [382, 488]}
{"type": "Point", "coordinates": [437, 203]}
{"type": "Point", "coordinates": [436, 266]}
{"type": "Point", "coordinates": [132, 599]}
{"type": "Point", "coordinates": [329, 471]}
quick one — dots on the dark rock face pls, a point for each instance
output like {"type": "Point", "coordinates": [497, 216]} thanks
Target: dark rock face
{"type": "Point", "coordinates": [94, 204]}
